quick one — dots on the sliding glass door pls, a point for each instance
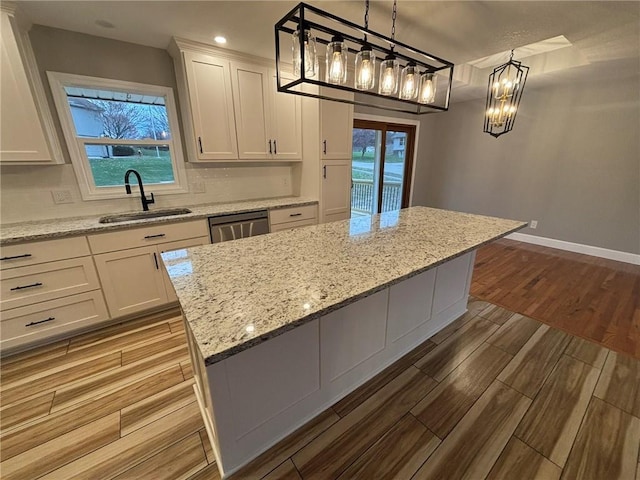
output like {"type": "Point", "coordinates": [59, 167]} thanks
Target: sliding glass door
{"type": "Point", "coordinates": [381, 166]}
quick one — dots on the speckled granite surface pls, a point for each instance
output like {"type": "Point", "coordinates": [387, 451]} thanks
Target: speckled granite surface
{"type": "Point", "coordinates": [65, 227]}
{"type": "Point", "coordinates": [238, 294]}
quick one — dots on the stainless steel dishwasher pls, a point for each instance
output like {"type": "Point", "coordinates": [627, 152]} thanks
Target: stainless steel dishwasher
{"type": "Point", "coordinates": [240, 225]}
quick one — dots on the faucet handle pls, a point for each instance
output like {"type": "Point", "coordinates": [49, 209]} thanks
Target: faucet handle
{"type": "Point", "coordinates": [149, 202]}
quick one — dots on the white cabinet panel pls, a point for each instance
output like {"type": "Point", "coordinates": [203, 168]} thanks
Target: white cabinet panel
{"type": "Point", "coordinates": [131, 280]}
{"type": "Point", "coordinates": [335, 195]}
{"type": "Point", "coordinates": [32, 253]}
{"type": "Point", "coordinates": [286, 122]}
{"type": "Point", "coordinates": [209, 85]}
{"type": "Point", "coordinates": [410, 305]}
{"type": "Point", "coordinates": [352, 335]}
{"type": "Point", "coordinates": [251, 86]}
{"type": "Point", "coordinates": [285, 370]}
{"type": "Point", "coordinates": [336, 128]}
{"type": "Point", "coordinates": [452, 283]}
{"type": "Point", "coordinates": [23, 138]}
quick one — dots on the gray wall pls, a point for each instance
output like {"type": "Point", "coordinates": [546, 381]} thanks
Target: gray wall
{"type": "Point", "coordinates": [70, 52]}
{"type": "Point", "coordinates": [572, 163]}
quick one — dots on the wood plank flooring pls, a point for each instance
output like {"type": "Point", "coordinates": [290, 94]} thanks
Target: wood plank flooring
{"type": "Point", "coordinates": [589, 297]}
{"type": "Point", "coordinates": [496, 395]}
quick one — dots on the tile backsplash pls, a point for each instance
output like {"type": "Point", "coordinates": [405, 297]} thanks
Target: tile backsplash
{"type": "Point", "coordinates": [26, 191]}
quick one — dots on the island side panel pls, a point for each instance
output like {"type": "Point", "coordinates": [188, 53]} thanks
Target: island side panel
{"type": "Point", "coordinates": [260, 395]}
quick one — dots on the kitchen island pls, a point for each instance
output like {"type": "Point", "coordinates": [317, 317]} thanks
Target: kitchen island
{"type": "Point", "coordinates": [281, 326]}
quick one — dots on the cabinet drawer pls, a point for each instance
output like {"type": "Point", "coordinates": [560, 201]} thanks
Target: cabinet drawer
{"type": "Point", "coordinates": [38, 283]}
{"type": "Point", "coordinates": [294, 214]}
{"type": "Point", "coordinates": [278, 227]}
{"type": "Point", "coordinates": [145, 236]}
{"type": "Point", "coordinates": [25, 325]}
{"type": "Point", "coordinates": [24, 254]}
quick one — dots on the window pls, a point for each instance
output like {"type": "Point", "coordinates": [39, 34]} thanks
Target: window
{"type": "Point", "coordinates": [112, 126]}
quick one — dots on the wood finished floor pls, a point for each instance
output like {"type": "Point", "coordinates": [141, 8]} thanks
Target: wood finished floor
{"type": "Point", "coordinates": [590, 297]}
{"type": "Point", "coordinates": [495, 395]}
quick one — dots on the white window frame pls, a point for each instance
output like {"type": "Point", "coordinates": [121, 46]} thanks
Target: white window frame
{"type": "Point", "coordinates": [76, 144]}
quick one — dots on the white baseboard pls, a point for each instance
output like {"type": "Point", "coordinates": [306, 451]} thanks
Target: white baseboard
{"type": "Point", "coordinates": [577, 248]}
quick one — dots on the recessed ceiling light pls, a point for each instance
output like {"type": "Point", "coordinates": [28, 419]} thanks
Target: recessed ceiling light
{"type": "Point", "coordinates": [220, 39]}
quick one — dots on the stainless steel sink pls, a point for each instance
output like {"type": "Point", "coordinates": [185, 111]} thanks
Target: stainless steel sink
{"type": "Point", "coordinates": [126, 217]}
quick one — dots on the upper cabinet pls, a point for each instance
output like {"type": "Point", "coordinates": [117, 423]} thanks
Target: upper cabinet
{"type": "Point", "coordinates": [27, 135]}
{"type": "Point", "coordinates": [336, 127]}
{"type": "Point", "coordinates": [211, 105]}
{"type": "Point", "coordinates": [231, 108]}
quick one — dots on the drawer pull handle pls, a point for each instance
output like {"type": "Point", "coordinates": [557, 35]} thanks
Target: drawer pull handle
{"type": "Point", "coordinates": [160, 235]}
{"type": "Point", "coordinates": [295, 214]}
{"type": "Point", "coordinates": [26, 255]}
{"type": "Point", "coordinates": [40, 321]}
{"type": "Point", "coordinates": [22, 287]}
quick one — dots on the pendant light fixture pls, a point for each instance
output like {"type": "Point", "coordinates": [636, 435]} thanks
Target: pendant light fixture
{"type": "Point", "coordinates": [365, 60]}
{"type": "Point", "coordinates": [375, 83]}
{"type": "Point", "coordinates": [504, 93]}
{"type": "Point", "coordinates": [390, 68]}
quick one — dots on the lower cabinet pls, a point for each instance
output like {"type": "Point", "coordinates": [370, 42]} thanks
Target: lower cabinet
{"type": "Point", "coordinates": [294, 217]}
{"type": "Point", "coordinates": [134, 280]}
{"type": "Point", "coordinates": [335, 191]}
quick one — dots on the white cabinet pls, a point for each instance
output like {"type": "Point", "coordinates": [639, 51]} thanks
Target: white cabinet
{"type": "Point", "coordinates": [336, 128]}
{"type": "Point", "coordinates": [293, 217]}
{"type": "Point", "coordinates": [48, 288]}
{"type": "Point", "coordinates": [130, 267]}
{"type": "Point", "coordinates": [335, 191]}
{"type": "Point", "coordinates": [210, 108]}
{"type": "Point", "coordinates": [268, 123]}
{"type": "Point", "coordinates": [231, 109]}
{"type": "Point", "coordinates": [26, 127]}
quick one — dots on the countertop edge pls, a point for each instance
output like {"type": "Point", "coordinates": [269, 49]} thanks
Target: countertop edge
{"type": "Point", "coordinates": [218, 357]}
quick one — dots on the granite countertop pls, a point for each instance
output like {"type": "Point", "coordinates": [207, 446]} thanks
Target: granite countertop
{"type": "Point", "coordinates": [237, 294]}
{"type": "Point", "coordinates": [65, 227]}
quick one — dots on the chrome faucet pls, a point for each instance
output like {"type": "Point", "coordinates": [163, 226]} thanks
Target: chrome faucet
{"type": "Point", "coordinates": [143, 198]}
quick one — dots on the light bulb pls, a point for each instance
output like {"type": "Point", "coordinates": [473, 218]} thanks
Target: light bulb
{"type": "Point", "coordinates": [427, 88]}
{"type": "Point", "coordinates": [365, 69]}
{"type": "Point", "coordinates": [337, 61]}
{"type": "Point", "coordinates": [409, 82]}
{"type": "Point", "coordinates": [389, 70]}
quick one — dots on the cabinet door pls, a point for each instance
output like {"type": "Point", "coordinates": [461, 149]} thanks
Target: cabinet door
{"type": "Point", "coordinates": [22, 137]}
{"type": "Point", "coordinates": [176, 250]}
{"type": "Point", "coordinates": [335, 202]}
{"type": "Point", "coordinates": [209, 85]}
{"type": "Point", "coordinates": [286, 122]}
{"type": "Point", "coordinates": [251, 89]}
{"type": "Point", "coordinates": [336, 128]}
{"type": "Point", "coordinates": [131, 280]}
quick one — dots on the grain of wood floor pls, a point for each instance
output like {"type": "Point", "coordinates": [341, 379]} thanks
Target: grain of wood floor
{"type": "Point", "coordinates": [494, 395]}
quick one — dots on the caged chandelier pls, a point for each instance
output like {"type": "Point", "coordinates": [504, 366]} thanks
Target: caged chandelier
{"type": "Point", "coordinates": [504, 92]}
{"type": "Point", "coordinates": [340, 56]}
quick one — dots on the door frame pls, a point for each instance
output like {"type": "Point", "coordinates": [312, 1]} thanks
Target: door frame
{"type": "Point", "coordinates": [398, 121]}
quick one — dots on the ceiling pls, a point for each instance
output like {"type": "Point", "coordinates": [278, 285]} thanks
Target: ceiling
{"type": "Point", "coordinates": [601, 39]}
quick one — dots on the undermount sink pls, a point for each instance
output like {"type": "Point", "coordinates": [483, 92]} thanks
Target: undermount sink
{"type": "Point", "coordinates": [126, 217]}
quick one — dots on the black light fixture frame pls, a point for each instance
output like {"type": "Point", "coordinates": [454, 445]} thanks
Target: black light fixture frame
{"type": "Point", "coordinates": [492, 102]}
{"type": "Point", "coordinates": [325, 26]}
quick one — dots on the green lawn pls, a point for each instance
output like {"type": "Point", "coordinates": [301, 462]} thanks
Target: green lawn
{"type": "Point", "coordinates": [110, 171]}
{"type": "Point", "coordinates": [369, 157]}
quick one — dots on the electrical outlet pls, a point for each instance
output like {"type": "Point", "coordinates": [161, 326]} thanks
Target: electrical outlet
{"type": "Point", "coordinates": [533, 224]}
{"type": "Point", "coordinates": [197, 187]}
{"type": "Point", "coordinates": [61, 196]}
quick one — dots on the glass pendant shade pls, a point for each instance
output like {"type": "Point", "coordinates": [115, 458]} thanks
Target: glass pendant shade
{"type": "Point", "coordinates": [428, 84]}
{"type": "Point", "coordinates": [389, 73]}
{"type": "Point", "coordinates": [365, 69]}
{"type": "Point", "coordinates": [310, 57]}
{"type": "Point", "coordinates": [409, 82]}
{"type": "Point", "coordinates": [337, 61]}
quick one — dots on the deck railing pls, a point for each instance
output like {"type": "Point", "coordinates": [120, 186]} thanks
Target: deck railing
{"type": "Point", "coordinates": [362, 194]}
